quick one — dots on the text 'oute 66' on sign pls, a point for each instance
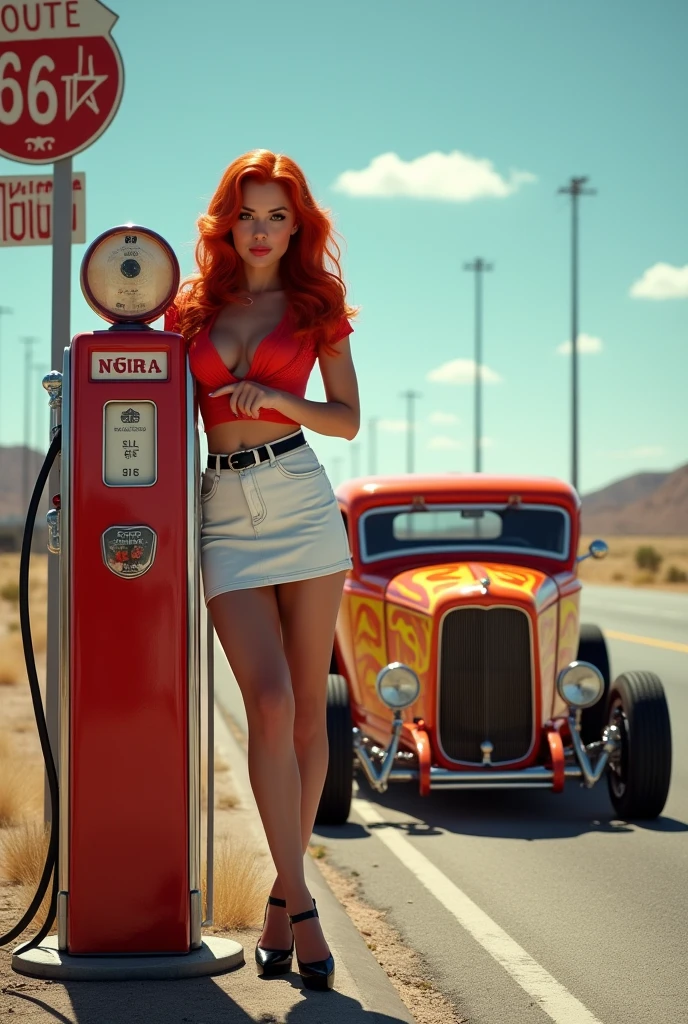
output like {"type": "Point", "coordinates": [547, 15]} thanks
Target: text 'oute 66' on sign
{"type": "Point", "coordinates": [61, 77]}
{"type": "Point", "coordinates": [26, 209]}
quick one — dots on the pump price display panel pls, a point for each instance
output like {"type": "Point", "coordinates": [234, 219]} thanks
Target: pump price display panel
{"type": "Point", "coordinates": [130, 444]}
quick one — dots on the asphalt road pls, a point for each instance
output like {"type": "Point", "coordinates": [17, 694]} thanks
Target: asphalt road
{"type": "Point", "coordinates": [530, 907]}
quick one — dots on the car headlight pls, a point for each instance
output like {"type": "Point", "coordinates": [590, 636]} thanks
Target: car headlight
{"type": "Point", "coordinates": [580, 684]}
{"type": "Point", "coordinates": [397, 685]}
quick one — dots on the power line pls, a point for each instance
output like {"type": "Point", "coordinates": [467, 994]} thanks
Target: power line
{"type": "Point", "coordinates": [478, 267]}
{"type": "Point", "coordinates": [575, 188]}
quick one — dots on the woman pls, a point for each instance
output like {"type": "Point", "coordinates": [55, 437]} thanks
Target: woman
{"type": "Point", "coordinates": [267, 301]}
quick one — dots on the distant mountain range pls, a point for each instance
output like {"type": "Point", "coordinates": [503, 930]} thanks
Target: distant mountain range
{"type": "Point", "coordinates": [652, 504]}
{"type": "Point", "coordinates": [645, 504]}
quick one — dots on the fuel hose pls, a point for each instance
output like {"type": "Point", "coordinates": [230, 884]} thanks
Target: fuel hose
{"type": "Point", "coordinates": [50, 867]}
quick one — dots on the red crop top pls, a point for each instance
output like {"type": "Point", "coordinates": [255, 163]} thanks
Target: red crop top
{"type": "Point", "coordinates": [281, 361]}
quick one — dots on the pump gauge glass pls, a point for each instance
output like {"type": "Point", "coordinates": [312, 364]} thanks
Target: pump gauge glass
{"type": "Point", "coordinates": [129, 275]}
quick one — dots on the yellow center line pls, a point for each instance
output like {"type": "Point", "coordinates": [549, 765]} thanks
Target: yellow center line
{"type": "Point", "coordinates": [650, 641]}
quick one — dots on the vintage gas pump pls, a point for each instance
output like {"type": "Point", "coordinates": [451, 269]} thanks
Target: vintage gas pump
{"type": "Point", "coordinates": [126, 528]}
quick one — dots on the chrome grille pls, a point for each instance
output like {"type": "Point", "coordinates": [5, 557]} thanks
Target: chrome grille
{"type": "Point", "coordinates": [486, 688]}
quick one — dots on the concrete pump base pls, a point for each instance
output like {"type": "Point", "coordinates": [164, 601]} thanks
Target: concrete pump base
{"type": "Point", "coordinates": [215, 956]}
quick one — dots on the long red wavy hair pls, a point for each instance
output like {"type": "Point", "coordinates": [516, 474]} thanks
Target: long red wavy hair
{"type": "Point", "coordinates": [309, 270]}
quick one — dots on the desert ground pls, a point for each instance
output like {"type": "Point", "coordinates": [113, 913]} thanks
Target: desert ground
{"type": "Point", "coordinates": [619, 568]}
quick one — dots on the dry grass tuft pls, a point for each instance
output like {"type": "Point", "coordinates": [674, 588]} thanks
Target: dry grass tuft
{"type": "Point", "coordinates": [20, 787]}
{"type": "Point", "coordinates": [23, 853]}
{"type": "Point", "coordinates": [241, 885]}
{"type": "Point", "coordinates": [12, 667]}
{"type": "Point", "coordinates": [227, 802]}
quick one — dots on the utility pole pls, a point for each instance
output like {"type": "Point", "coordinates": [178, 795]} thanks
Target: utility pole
{"type": "Point", "coordinates": [410, 397]}
{"type": "Point", "coordinates": [337, 464]}
{"type": "Point", "coordinates": [372, 445]}
{"type": "Point", "coordinates": [27, 343]}
{"type": "Point", "coordinates": [355, 452]}
{"type": "Point", "coordinates": [4, 311]}
{"type": "Point", "coordinates": [575, 188]}
{"type": "Point", "coordinates": [478, 267]}
{"type": "Point", "coordinates": [41, 434]}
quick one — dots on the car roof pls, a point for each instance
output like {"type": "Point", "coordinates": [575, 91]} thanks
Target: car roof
{"type": "Point", "coordinates": [450, 487]}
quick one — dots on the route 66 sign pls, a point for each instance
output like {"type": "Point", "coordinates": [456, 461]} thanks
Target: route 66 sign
{"type": "Point", "coordinates": [61, 77]}
{"type": "Point", "coordinates": [129, 551]}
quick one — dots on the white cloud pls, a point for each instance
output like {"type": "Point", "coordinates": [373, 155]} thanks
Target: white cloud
{"type": "Point", "coordinates": [443, 418]}
{"type": "Point", "coordinates": [647, 451]}
{"type": "Point", "coordinates": [587, 345]}
{"type": "Point", "coordinates": [443, 443]}
{"type": "Point", "coordinates": [462, 371]}
{"type": "Point", "coordinates": [662, 282]}
{"type": "Point", "coordinates": [641, 451]}
{"type": "Point", "coordinates": [393, 426]}
{"type": "Point", "coordinates": [453, 177]}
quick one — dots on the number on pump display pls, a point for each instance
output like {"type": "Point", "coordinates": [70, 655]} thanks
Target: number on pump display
{"type": "Point", "coordinates": [128, 471]}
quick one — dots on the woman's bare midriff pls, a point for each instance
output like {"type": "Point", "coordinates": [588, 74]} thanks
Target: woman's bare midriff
{"type": "Point", "coordinates": [239, 435]}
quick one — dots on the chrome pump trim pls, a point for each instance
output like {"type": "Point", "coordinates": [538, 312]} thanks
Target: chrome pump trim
{"type": "Point", "coordinates": [64, 726]}
{"type": "Point", "coordinates": [193, 665]}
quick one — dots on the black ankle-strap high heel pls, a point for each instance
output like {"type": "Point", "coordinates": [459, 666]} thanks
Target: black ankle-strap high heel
{"type": "Point", "coordinates": [319, 974]}
{"type": "Point", "coordinates": [274, 961]}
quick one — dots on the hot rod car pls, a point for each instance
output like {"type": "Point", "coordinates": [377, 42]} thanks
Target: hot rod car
{"type": "Point", "coordinates": [461, 616]}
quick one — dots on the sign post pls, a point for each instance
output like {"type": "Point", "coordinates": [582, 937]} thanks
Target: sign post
{"type": "Point", "coordinates": [61, 83]}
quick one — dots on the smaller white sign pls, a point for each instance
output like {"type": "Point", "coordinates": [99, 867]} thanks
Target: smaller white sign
{"type": "Point", "coordinates": [130, 444]}
{"type": "Point", "coordinates": [129, 365]}
{"type": "Point", "coordinates": [26, 209]}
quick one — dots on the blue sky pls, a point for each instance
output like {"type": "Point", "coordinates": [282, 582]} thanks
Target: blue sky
{"type": "Point", "coordinates": [524, 93]}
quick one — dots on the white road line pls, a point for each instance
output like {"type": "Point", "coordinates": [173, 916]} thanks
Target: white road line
{"type": "Point", "coordinates": [555, 1000]}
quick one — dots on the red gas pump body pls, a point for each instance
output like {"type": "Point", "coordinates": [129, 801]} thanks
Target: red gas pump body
{"type": "Point", "coordinates": [127, 872]}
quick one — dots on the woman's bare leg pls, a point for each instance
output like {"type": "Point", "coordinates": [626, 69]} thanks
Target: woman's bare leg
{"type": "Point", "coordinates": [248, 625]}
{"type": "Point", "coordinates": [308, 613]}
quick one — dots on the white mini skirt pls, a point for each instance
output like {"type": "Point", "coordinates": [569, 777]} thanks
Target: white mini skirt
{"type": "Point", "coordinates": [275, 522]}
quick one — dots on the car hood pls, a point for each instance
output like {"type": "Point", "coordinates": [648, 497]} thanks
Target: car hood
{"type": "Point", "coordinates": [425, 588]}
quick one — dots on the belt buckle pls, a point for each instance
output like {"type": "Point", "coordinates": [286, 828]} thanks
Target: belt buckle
{"type": "Point", "coordinates": [236, 466]}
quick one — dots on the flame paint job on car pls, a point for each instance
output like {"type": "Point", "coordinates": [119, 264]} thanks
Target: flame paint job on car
{"type": "Point", "coordinates": [569, 616]}
{"type": "Point", "coordinates": [368, 633]}
{"type": "Point", "coordinates": [547, 642]}
{"type": "Point", "coordinates": [430, 587]}
{"type": "Point", "coordinates": [409, 640]}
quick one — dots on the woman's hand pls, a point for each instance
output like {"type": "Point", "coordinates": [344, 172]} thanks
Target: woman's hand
{"type": "Point", "coordinates": [247, 398]}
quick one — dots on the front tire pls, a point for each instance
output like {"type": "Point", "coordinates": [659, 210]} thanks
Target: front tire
{"type": "Point", "coordinates": [335, 802]}
{"type": "Point", "coordinates": [639, 774]}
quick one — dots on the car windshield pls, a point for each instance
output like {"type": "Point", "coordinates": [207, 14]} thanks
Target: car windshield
{"type": "Point", "coordinates": [534, 529]}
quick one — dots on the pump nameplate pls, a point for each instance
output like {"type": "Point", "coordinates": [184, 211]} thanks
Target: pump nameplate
{"type": "Point", "coordinates": [129, 551]}
{"type": "Point", "coordinates": [129, 366]}
{"type": "Point", "coordinates": [130, 447]}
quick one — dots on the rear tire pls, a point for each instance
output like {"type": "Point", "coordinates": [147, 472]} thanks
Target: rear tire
{"type": "Point", "coordinates": [335, 802]}
{"type": "Point", "coordinates": [639, 775]}
{"type": "Point", "coordinates": [592, 647]}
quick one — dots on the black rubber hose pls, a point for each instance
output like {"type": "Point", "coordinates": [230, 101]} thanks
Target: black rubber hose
{"type": "Point", "coordinates": [50, 867]}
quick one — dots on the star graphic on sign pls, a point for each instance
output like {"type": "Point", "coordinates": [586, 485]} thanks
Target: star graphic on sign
{"type": "Point", "coordinates": [76, 97]}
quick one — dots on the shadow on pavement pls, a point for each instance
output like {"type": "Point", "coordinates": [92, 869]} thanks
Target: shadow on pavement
{"type": "Point", "coordinates": [193, 1001]}
{"type": "Point", "coordinates": [533, 815]}
{"type": "Point", "coordinates": [663, 824]}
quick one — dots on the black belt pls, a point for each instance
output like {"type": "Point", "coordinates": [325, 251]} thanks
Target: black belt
{"type": "Point", "coordinates": [244, 459]}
